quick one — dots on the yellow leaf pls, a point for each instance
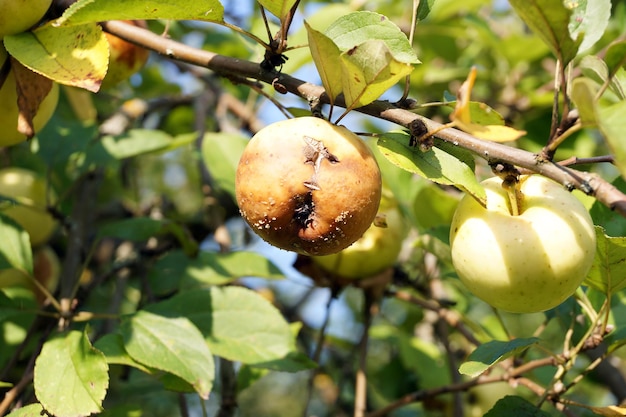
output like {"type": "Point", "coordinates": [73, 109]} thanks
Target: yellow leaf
{"type": "Point", "coordinates": [461, 112]}
{"type": "Point", "coordinates": [326, 58]}
{"type": "Point", "coordinates": [610, 411]}
{"type": "Point", "coordinates": [492, 133]}
{"type": "Point", "coordinates": [75, 55]}
{"type": "Point", "coordinates": [369, 69]}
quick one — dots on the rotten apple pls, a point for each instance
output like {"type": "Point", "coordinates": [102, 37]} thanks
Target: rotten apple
{"type": "Point", "coordinates": [308, 186]}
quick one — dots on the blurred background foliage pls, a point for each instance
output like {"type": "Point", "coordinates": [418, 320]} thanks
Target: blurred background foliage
{"type": "Point", "coordinates": [179, 179]}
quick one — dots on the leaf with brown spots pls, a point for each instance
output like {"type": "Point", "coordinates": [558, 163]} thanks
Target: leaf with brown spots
{"type": "Point", "coordinates": [32, 89]}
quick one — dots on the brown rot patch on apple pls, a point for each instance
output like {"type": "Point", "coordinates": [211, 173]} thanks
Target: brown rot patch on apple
{"type": "Point", "coordinates": [304, 212]}
{"type": "Point", "coordinates": [308, 186]}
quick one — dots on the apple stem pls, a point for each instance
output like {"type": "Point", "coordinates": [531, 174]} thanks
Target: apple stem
{"type": "Point", "coordinates": [513, 190]}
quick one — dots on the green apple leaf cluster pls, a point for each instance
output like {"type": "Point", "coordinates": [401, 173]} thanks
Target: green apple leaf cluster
{"type": "Point", "coordinates": [361, 55]}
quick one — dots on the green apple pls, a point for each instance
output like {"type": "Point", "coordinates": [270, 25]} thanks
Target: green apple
{"type": "Point", "coordinates": [29, 189]}
{"type": "Point", "coordinates": [524, 259]}
{"type": "Point", "coordinates": [46, 271]}
{"type": "Point", "coordinates": [308, 186]}
{"type": "Point", "coordinates": [17, 16]}
{"type": "Point", "coordinates": [375, 251]}
{"type": "Point", "coordinates": [9, 111]}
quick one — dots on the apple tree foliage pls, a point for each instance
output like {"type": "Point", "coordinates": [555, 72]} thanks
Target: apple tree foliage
{"type": "Point", "coordinates": [165, 304]}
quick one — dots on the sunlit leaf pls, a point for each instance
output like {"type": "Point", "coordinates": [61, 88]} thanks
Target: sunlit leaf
{"type": "Point", "coordinates": [237, 323]}
{"type": "Point", "coordinates": [461, 113]}
{"type": "Point", "coordinates": [490, 353]}
{"type": "Point", "coordinates": [31, 410]}
{"type": "Point", "coordinates": [583, 92]}
{"type": "Point", "coordinates": [368, 70]}
{"type": "Point", "coordinates": [550, 20]}
{"type": "Point", "coordinates": [325, 56]}
{"type": "Point", "coordinates": [608, 273]}
{"type": "Point", "coordinates": [112, 347]}
{"type": "Point", "coordinates": [434, 207]}
{"type": "Point", "coordinates": [279, 8]}
{"type": "Point", "coordinates": [481, 113]}
{"type": "Point", "coordinates": [15, 250]}
{"type": "Point", "coordinates": [607, 411]}
{"type": "Point", "coordinates": [356, 28]}
{"type": "Point", "coordinates": [434, 164]}
{"type": "Point", "coordinates": [613, 126]}
{"type": "Point", "coordinates": [71, 376]}
{"type": "Point", "coordinates": [589, 18]}
{"type": "Point", "coordinates": [597, 70]}
{"type": "Point", "coordinates": [492, 133]}
{"type": "Point", "coordinates": [463, 117]}
{"type": "Point", "coordinates": [220, 154]}
{"type": "Point", "coordinates": [136, 142]}
{"type": "Point", "coordinates": [171, 344]}
{"type": "Point", "coordinates": [76, 56]}
{"type": "Point", "coordinates": [91, 11]}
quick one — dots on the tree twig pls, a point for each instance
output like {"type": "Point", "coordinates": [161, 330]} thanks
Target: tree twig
{"type": "Point", "coordinates": [589, 183]}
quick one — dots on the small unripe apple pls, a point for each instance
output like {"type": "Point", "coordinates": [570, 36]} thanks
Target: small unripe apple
{"type": "Point", "coordinates": [28, 188]}
{"type": "Point", "coordinates": [18, 16]}
{"type": "Point", "coordinates": [528, 261]}
{"type": "Point", "coordinates": [308, 186]}
{"type": "Point", "coordinates": [46, 270]}
{"type": "Point", "coordinates": [375, 251]}
{"type": "Point", "coordinates": [9, 135]}
{"type": "Point", "coordinates": [125, 58]}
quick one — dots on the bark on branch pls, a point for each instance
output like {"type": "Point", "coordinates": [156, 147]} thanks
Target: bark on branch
{"type": "Point", "coordinates": [229, 67]}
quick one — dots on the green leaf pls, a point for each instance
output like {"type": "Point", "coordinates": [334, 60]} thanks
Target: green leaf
{"type": "Point", "coordinates": [15, 250]}
{"type": "Point", "coordinates": [279, 8]}
{"type": "Point", "coordinates": [550, 19]}
{"type": "Point", "coordinates": [424, 8]}
{"type": "Point", "coordinates": [490, 353]}
{"type": "Point", "coordinates": [368, 70]}
{"type": "Point", "coordinates": [597, 70]}
{"type": "Point", "coordinates": [615, 57]}
{"type": "Point", "coordinates": [76, 56]}
{"type": "Point", "coordinates": [356, 28]}
{"type": "Point", "coordinates": [136, 142]}
{"type": "Point", "coordinates": [589, 19]}
{"type": "Point", "coordinates": [608, 273]}
{"type": "Point", "coordinates": [583, 93]}
{"type": "Point", "coordinates": [514, 406]}
{"type": "Point", "coordinates": [434, 207]}
{"type": "Point", "coordinates": [361, 54]}
{"type": "Point", "coordinates": [71, 376]}
{"type": "Point", "coordinates": [172, 345]}
{"type": "Point", "coordinates": [112, 347]}
{"type": "Point", "coordinates": [176, 269]}
{"type": "Point", "coordinates": [238, 323]}
{"type": "Point", "coordinates": [434, 164]}
{"type": "Point", "coordinates": [221, 153]}
{"type": "Point", "coordinates": [31, 410]}
{"type": "Point", "coordinates": [613, 126]}
{"type": "Point", "coordinates": [616, 339]}
{"type": "Point", "coordinates": [325, 56]}
{"type": "Point", "coordinates": [613, 223]}
{"type": "Point", "coordinates": [86, 11]}
{"type": "Point", "coordinates": [481, 113]}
